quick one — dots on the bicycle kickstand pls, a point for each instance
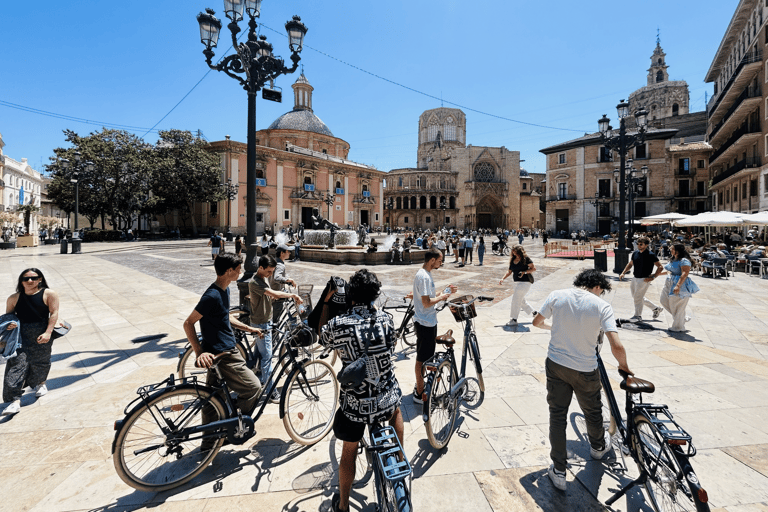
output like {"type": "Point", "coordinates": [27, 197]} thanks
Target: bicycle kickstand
{"type": "Point", "coordinates": [638, 481]}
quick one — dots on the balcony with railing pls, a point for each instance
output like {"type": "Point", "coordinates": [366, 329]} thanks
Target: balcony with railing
{"type": "Point", "coordinates": [747, 132]}
{"type": "Point", "coordinates": [742, 75]}
{"type": "Point", "coordinates": [746, 163]}
{"type": "Point", "coordinates": [748, 100]}
{"type": "Point", "coordinates": [562, 197]}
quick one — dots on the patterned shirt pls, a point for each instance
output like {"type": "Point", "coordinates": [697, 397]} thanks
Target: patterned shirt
{"type": "Point", "coordinates": [379, 395]}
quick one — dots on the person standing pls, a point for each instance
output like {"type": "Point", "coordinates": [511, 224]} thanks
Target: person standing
{"type": "Point", "coordinates": [264, 245]}
{"type": "Point", "coordinates": [37, 308]}
{"type": "Point", "coordinates": [261, 296]}
{"type": "Point", "coordinates": [278, 280]}
{"type": "Point", "coordinates": [441, 246]}
{"type": "Point", "coordinates": [643, 261]}
{"type": "Point", "coordinates": [425, 316]}
{"type": "Point", "coordinates": [297, 249]}
{"type": "Point", "coordinates": [578, 317]}
{"type": "Point", "coordinates": [469, 247]}
{"type": "Point", "coordinates": [462, 250]}
{"type": "Point", "coordinates": [216, 243]}
{"type": "Point", "coordinates": [678, 287]}
{"type": "Point", "coordinates": [480, 250]}
{"type": "Point", "coordinates": [238, 245]}
{"type": "Point", "coordinates": [520, 267]}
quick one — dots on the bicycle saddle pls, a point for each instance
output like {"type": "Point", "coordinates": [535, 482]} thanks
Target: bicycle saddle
{"type": "Point", "coordinates": [635, 385]}
{"type": "Point", "coordinates": [446, 339]}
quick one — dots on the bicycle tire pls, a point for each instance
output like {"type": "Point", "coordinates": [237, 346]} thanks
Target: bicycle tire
{"type": "Point", "coordinates": [363, 461]}
{"type": "Point", "coordinates": [507, 251]}
{"type": "Point", "coordinates": [140, 428]}
{"type": "Point", "coordinates": [442, 409]}
{"type": "Point", "coordinates": [308, 419]}
{"type": "Point", "coordinates": [312, 353]}
{"type": "Point", "coordinates": [609, 422]}
{"type": "Point", "coordinates": [186, 366]}
{"type": "Point", "coordinates": [396, 496]}
{"type": "Point", "coordinates": [409, 334]}
{"type": "Point", "coordinates": [475, 351]}
{"type": "Point", "coordinates": [665, 479]}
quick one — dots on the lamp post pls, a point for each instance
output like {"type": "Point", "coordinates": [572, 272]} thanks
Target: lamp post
{"type": "Point", "coordinates": [597, 203]}
{"type": "Point", "coordinates": [253, 65]}
{"type": "Point", "coordinates": [633, 179]}
{"type": "Point", "coordinates": [389, 205]}
{"type": "Point", "coordinates": [443, 206]}
{"type": "Point", "coordinates": [622, 143]}
{"type": "Point", "coordinates": [230, 191]}
{"type": "Point", "coordinates": [78, 166]}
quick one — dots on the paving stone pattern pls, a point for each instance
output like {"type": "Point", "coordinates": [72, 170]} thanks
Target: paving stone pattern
{"type": "Point", "coordinates": [127, 301]}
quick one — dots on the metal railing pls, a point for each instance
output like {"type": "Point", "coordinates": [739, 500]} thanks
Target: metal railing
{"type": "Point", "coordinates": [746, 163]}
{"type": "Point", "coordinates": [744, 129]}
{"type": "Point", "coordinates": [750, 58]}
{"type": "Point", "coordinates": [747, 93]}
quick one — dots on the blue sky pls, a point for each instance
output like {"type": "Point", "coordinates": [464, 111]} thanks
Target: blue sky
{"type": "Point", "coordinates": [559, 64]}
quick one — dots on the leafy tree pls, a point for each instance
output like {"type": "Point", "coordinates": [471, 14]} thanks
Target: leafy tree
{"type": "Point", "coordinates": [184, 172]}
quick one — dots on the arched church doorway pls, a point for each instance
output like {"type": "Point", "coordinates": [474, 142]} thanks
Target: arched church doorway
{"type": "Point", "coordinates": [489, 213]}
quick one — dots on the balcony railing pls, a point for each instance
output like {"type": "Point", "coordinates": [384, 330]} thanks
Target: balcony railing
{"type": "Point", "coordinates": [745, 129]}
{"type": "Point", "coordinates": [562, 197]}
{"type": "Point", "coordinates": [750, 58]}
{"type": "Point", "coordinates": [747, 163]}
{"type": "Point", "coordinates": [749, 92]}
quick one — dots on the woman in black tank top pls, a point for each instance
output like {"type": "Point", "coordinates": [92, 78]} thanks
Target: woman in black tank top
{"type": "Point", "coordinates": [37, 308]}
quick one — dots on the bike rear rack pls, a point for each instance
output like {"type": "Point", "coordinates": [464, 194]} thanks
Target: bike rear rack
{"type": "Point", "coordinates": [671, 432]}
{"type": "Point", "coordinates": [387, 446]}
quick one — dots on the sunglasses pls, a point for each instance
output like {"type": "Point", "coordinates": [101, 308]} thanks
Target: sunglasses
{"type": "Point", "coordinates": [30, 278]}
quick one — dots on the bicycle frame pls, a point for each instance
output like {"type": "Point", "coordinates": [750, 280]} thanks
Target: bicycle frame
{"type": "Point", "coordinates": [389, 462]}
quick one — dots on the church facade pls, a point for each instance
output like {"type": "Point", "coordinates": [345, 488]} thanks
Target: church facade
{"type": "Point", "coordinates": [455, 185]}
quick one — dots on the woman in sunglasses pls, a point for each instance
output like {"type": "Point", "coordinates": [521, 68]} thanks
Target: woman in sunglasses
{"type": "Point", "coordinates": [37, 308]}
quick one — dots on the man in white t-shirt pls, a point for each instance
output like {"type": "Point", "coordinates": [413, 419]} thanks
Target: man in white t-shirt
{"type": "Point", "coordinates": [425, 316]}
{"type": "Point", "coordinates": [578, 316]}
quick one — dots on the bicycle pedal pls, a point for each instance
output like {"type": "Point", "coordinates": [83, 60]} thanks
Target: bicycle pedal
{"type": "Point", "coordinates": [462, 434]}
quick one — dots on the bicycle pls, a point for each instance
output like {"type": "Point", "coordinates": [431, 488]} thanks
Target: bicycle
{"type": "Point", "coordinates": [500, 248]}
{"type": "Point", "coordinates": [445, 387]}
{"type": "Point", "coordinates": [382, 456]}
{"type": "Point", "coordinates": [406, 330]}
{"type": "Point", "coordinates": [158, 445]}
{"type": "Point", "coordinates": [660, 447]}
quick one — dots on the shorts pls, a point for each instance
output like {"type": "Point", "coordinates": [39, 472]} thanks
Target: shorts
{"type": "Point", "coordinates": [214, 250]}
{"type": "Point", "coordinates": [347, 430]}
{"type": "Point", "coordinates": [425, 341]}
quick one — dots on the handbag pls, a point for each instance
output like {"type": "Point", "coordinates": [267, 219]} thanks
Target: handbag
{"type": "Point", "coordinates": [530, 278]}
{"type": "Point", "coordinates": [60, 330]}
{"type": "Point", "coordinates": [355, 372]}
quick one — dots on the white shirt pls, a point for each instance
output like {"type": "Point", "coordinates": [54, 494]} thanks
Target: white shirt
{"type": "Point", "coordinates": [577, 318]}
{"type": "Point", "coordinates": [424, 285]}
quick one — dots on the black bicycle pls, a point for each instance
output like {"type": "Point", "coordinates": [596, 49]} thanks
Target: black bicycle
{"type": "Point", "coordinates": [406, 330]}
{"type": "Point", "coordinates": [660, 447]}
{"type": "Point", "coordinates": [163, 441]}
{"type": "Point", "coordinates": [500, 248]}
{"type": "Point", "coordinates": [445, 387]}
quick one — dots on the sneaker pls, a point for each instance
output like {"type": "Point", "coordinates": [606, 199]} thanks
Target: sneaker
{"type": "Point", "coordinates": [275, 397]}
{"type": "Point", "coordinates": [636, 318]}
{"type": "Point", "coordinates": [534, 314]}
{"type": "Point", "coordinates": [417, 397]}
{"type": "Point", "coordinates": [657, 313]}
{"type": "Point", "coordinates": [599, 454]}
{"type": "Point", "coordinates": [557, 477]}
{"type": "Point", "coordinates": [41, 390]}
{"type": "Point", "coordinates": [335, 504]}
{"type": "Point", "coordinates": [14, 408]}
{"type": "Point", "coordinates": [512, 323]}
{"type": "Point", "coordinates": [687, 318]}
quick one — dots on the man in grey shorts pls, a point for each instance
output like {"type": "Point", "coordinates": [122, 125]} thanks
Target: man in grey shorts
{"type": "Point", "coordinates": [578, 315]}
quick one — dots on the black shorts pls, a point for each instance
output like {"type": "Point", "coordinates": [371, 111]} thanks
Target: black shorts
{"type": "Point", "coordinates": [347, 430]}
{"type": "Point", "coordinates": [425, 341]}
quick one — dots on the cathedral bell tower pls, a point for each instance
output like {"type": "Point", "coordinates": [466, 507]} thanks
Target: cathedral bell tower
{"type": "Point", "coordinates": [657, 73]}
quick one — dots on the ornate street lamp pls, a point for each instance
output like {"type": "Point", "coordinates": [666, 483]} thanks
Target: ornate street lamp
{"type": "Point", "coordinates": [253, 65]}
{"type": "Point", "coordinates": [443, 207]}
{"type": "Point", "coordinates": [633, 179]}
{"type": "Point", "coordinates": [230, 190]}
{"type": "Point", "coordinates": [622, 143]}
{"type": "Point", "coordinates": [79, 167]}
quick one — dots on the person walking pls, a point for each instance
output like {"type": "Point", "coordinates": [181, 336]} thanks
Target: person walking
{"type": "Point", "coordinates": [425, 316]}
{"type": "Point", "coordinates": [264, 245]}
{"type": "Point", "coordinates": [480, 250]}
{"type": "Point", "coordinates": [297, 249]}
{"type": "Point", "coordinates": [521, 268]}
{"type": "Point", "coordinates": [678, 287]}
{"type": "Point", "coordinates": [216, 243]}
{"type": "Point", "coordinates": [261, 296]}
{"type": "Point", "coordinates": [238, 245]}
{"type": "Point", "coordinates": [37, 308]}
{"type": "Point", "coordinates": [578, 317]}
{"type": "Point", "coordinates": [363, 330]}
{"type": "Point", "coordinates": [643, 261]}
{"type": "Point", "coordinates": [469, 247]}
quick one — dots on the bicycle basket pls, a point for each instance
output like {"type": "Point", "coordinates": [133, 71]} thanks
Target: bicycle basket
{"type": "Point", "coordinates": [301, 336]}
{"type": "Point", "coordinates": [462, 313]}
{"type": "Point", "coordinates": [306, 306]}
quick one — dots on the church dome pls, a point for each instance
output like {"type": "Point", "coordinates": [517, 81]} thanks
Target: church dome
{"type": "Point", "coordinates": [301, 117]}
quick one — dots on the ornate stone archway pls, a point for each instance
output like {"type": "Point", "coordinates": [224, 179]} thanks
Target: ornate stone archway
{"type": "Point", "coordinates": [489, 213]}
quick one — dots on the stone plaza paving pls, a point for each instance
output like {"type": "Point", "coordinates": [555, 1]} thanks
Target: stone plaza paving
{"type": "Point", "coordinates": [127, 301]}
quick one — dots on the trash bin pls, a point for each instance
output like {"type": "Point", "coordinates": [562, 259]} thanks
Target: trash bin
{"type": "Point", "coordinates": [64, 246]}
{"type": "Point", "coordinates": [76, 243]}
{"type": "Point", "coordinates": [601, 260]}
{"type": "Point", "coordinates": [229, 236]}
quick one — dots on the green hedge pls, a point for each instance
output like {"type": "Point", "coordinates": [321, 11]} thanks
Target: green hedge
{"type": "Point", "coordinates": [101, 235]}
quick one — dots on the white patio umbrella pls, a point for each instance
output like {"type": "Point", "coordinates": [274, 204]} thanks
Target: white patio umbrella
{"type": "Point", "coordinates": [663, 218]}
{"type": "Point", "coordinates": [721, 218]}
{"type": "Point", "coordinates": [759, 218]}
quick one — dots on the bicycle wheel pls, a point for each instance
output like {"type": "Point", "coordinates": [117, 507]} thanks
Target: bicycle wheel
{"type": "Point", "coordinates": [312, 353]}
{"type": "Point", "coordinates": [442, 407]}
{"type": "Point", "coordinates": [609, 423]}
{"type": "Point", "coordinates": [409, 334]}
{"type": "Point", "coordinates": [146, 459]}
{"type": "Point", "coordinates": [363, 465]}
{"type": "Point", "coordinates": [396, 496]}
{"type": "Point", "coordinates": [665, 483]}
{"type": "Point", "coordinates": [186, 367]}
{"type": "Point", "coordinates": [475, 351]}
{"type": "Point", "coordinates": [309, 402]}
{"type": "Point", "coordinates": [506, 251]}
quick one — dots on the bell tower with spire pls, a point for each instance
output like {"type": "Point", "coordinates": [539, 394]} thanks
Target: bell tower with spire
{"type": "Point", "coordinates": [657, 73]}
{"type": "Point", "coordinates": [661, 96]}
{"type": "Point", "coordinates": [302, 94]}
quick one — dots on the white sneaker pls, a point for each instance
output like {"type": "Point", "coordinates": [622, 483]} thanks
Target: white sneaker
{"type": "Point", "coordinates": [687, 318]}
{"type": "Point", "coordinates": [558, 478]}
{"type": "Point", "coordinates": [636, 318]}
{"type": "Point", "coordinates": [599, 454]}
{"type": "Point", "coordinates": [657, 313]}
{"type": "Point", "coordinates": [417, 397]}
{"type": "Point", "coordinates": [41, 390]}
{"type": "Point", "coordinates": [512, 323]}
{"type": "Point", "coordinates": [14, 408]}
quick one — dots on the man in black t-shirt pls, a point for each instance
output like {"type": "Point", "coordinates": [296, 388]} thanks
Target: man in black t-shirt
{"type": "Point", "coordinates": [643, 260]}
{"type": "Point", "coordinates": [216, 244]}
{"type": "Point", "coordinates": [219, 339]}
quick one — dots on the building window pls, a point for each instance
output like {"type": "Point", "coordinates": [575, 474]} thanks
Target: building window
{"type": "Point", "coordinates": [675, 109]}
{"type": "Point", "coordinates": [428, 219]}
{"type": "Point", "coordinates": [286, 214]}
{"type": "Point", "coordinates": [684, 165]}
{"type": "Point", "coordinates": [728, 196]}
{"type": "Point", "coordinates": [484, 172]}
{"type": "Point", "coordinates": [604, 188]}
{"type": "Point", "coordinates": [641, 152]}
{"type": "Point", "coordinates": [400, 181]}
{"type": "Point", "coordinates": [562, 188]}
{"type": "Point", "coordinates": [700, 188]}
{"type": "Point", "coordinates": [525, 187]}
{"type": "Point", "coordinates": [405, 219]}
{"type": "Point", "coordinates": [214, 209]}
{"type": "Point", "coordinates": [753, 188]}
{"type": "Point", "coordinates": [561, 158]}
{"type": "Point", "coordinates": [743, 190]}
{"type": "Point", "coordinates": [325, 152]}
{"type": "Point", "coordinates": [605, 154]}
{"type": "Point", "coordinates": [700, 164]}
